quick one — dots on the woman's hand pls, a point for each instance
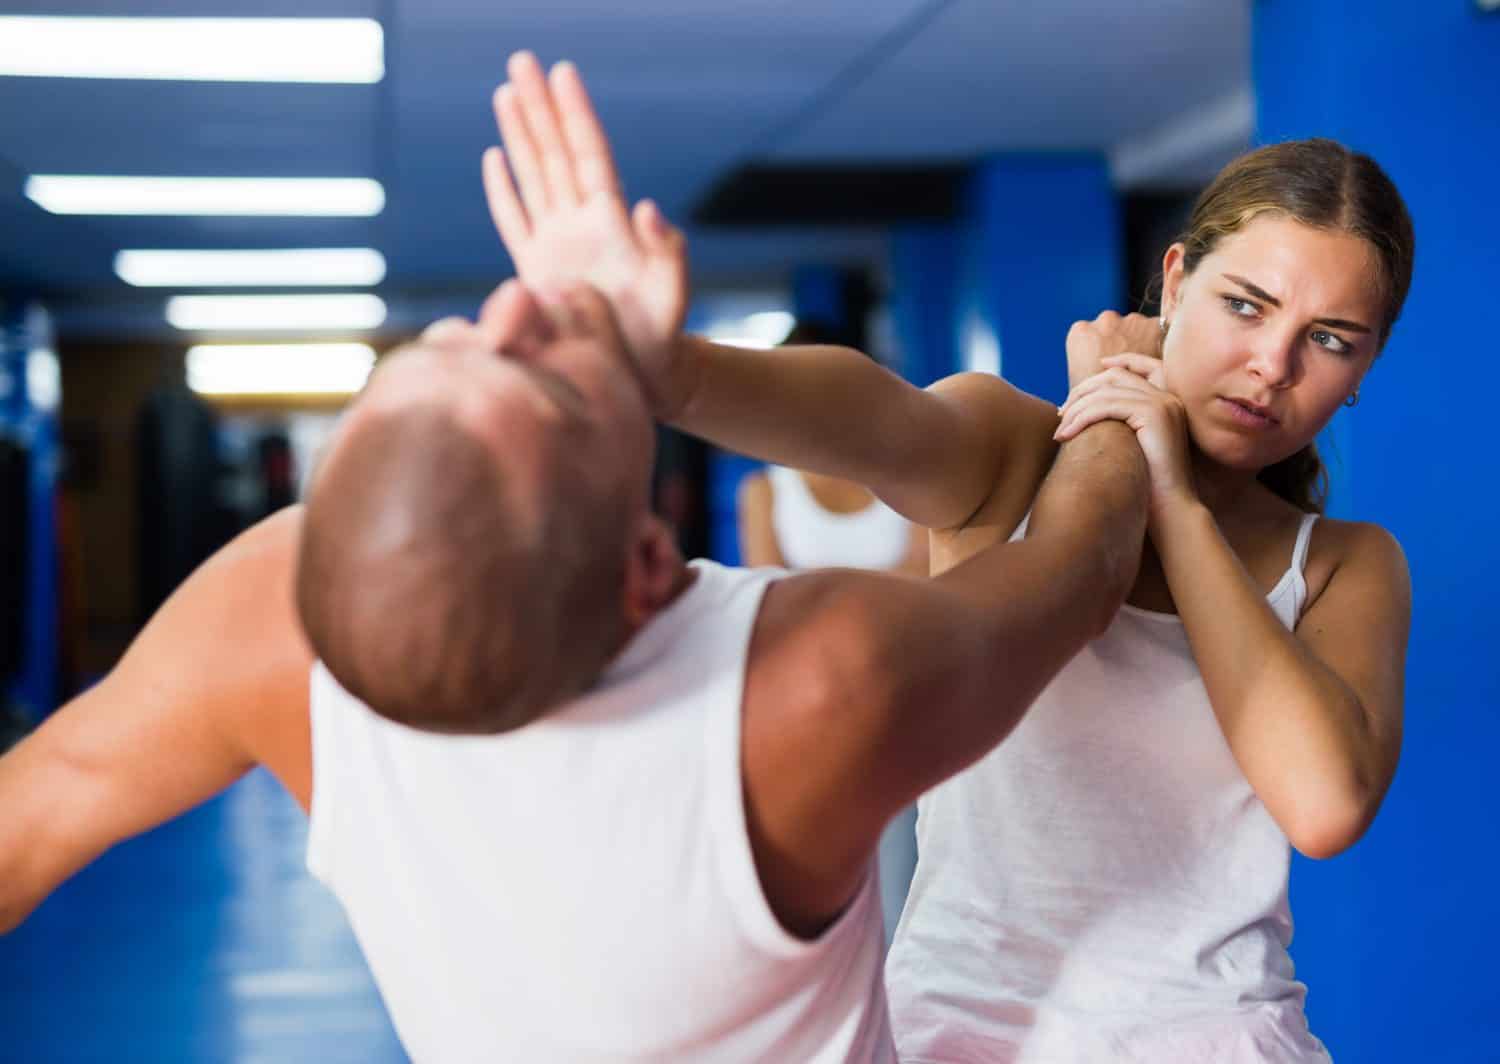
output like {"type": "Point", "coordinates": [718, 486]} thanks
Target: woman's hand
{"type": "Point", "coordinates": [1131, 388]}
{"type": "Point", "coordinates": [1090, 342]}
{"type": "Point", "coordinates": [564, 220]}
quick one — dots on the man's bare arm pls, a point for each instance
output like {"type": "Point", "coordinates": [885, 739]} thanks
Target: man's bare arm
{"type": "Point", "coordinates": [867, 689]}
{"type": "Point", "coordinates": [215, 683]}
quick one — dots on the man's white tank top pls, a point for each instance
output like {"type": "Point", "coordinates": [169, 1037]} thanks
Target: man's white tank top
{"type": "Point", "coordinates": [1105, 885]}
{"type": "Point", "coordinates": [811, 537]}
{"type": "Point", "coordinates": [582, 889]}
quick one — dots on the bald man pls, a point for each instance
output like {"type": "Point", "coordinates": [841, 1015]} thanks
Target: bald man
{"type": "Point", "coordinates": [582, 800]}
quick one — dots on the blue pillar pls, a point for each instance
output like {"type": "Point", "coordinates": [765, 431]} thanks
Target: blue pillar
{"type": "Point", "coordinates": [819, 295]}
{"type": "Point", "coordinates": [1042, 251]}
{"type": "Point", "coordinates": [1397, 939]}
{"type": "Point", "coordinates": [924, 266]}
{"type": "Point", "coordinates": [29, 368]}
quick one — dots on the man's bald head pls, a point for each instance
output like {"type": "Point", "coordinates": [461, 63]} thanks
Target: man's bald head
{"type": "Point", "coordinates": [446, 587]}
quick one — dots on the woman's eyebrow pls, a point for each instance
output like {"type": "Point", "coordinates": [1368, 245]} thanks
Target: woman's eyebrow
{"type": "Point", "coordinates": [1254, 289]}
{"type": "Point", "coordinates": [1266, 297]}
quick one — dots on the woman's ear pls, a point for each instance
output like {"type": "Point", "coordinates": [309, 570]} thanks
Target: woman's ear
{"type": "Point", "coordinates": [1172, 273]}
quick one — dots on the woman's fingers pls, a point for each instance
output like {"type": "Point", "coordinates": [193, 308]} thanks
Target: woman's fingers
{"type": "Point", "coordinates": [657, 235]}
{"type": "Point", "coordinates": [1116, 377]}
{"type": "Point", "coordinates": [583, 133]}
{"type": "Point", "coordinates": [541, 119]}
{"type": "Point", "coordinates": [506, 209]}
{"type": "Point", "coordinates": [1102, 406]}
{"type": "Point", "coordinates": [522, 149]}
{"type": "Point", "coordinates": [1144, 366]}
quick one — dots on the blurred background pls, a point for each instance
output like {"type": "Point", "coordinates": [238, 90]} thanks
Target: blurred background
{"type": "Point", "coordinates": [209, 231]}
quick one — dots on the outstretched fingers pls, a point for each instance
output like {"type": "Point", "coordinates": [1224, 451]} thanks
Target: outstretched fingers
{"type": "Point", "coordinates": [657, 235]}
{"type": "Point", "coordinates": [522, 149]}
{"type": "Point", "coordinates": [506, 209]}
{"type": "Point", "coordinates": [535, 98]}
{"type": "Point", "coordinates": [583, 133]}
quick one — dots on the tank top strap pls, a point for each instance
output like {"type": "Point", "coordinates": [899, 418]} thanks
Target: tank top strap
{"type": "Point", "coordinates": [1295, 574]}
{"type": "Point", "coordinates": [786, 484]}
{"type": "Point", "coordinates": [1304, 537]}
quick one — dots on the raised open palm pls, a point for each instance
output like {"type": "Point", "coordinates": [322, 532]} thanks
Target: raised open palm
{"type": "Point", "coordinates": [563, 218]}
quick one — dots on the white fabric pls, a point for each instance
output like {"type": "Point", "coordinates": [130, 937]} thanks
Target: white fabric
{"type": "Point", "coordinates": [811, 537]}
{"type": "Point", "coordinates": [1105, 885]}
{"type": "Point", "coordinates": [582, 889]}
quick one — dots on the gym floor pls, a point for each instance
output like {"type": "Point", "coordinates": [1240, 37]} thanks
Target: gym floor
{"type": "Point", "coordinates": [203, 941]}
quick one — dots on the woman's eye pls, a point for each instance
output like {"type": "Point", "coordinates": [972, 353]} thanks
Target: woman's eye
{"type": "Point", "coordinates": [1242, 307]}
{"type": "Point", "coordinates": [1337, 344]}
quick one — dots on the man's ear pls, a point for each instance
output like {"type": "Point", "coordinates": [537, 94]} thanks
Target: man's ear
{"type": "Point", "coordinates": [653, 571]}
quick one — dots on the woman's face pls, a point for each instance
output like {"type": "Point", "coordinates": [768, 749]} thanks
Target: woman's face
{"type": "Point", "coordinates": [1268, 336]}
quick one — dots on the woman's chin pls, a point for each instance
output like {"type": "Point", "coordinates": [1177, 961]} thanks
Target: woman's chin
{"type": "Point", "coordinates": [1231, 452]}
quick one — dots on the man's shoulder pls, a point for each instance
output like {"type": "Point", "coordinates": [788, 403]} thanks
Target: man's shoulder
{"type": "Point", "coordinates": [811, 626]}
{"type": "Point", "coordinates": [267, 677]}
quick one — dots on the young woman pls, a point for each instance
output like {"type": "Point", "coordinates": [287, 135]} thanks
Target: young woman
{"type": "Point", "coordinates": [1111, 882]}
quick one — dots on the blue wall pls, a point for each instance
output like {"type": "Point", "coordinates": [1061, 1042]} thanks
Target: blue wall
{"type": "Point", "coordinates": [1037, 248]}
{"type": "Point", "coordinates": [1042, 250]}
{"type": "Point", "coordinates": [1397, 939]}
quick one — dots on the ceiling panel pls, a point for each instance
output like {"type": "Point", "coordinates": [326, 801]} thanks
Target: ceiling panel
{"type": "Point", "coordinates": [987, 77]}
{"type": "Point", "coordinates": [685, 89]}
{"type": "Point", "coordinates": [689, 90]}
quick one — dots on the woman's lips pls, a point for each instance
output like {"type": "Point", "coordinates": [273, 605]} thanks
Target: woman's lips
{"type": "Point", "coordinates": [1247, 414]}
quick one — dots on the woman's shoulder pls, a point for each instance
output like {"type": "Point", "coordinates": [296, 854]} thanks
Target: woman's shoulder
{"type": "Point", "coordinates": [990, 397]}
{"type": "Point", "coordinates": [1355, 540]}
{"type": "Point", "coordinates": [1353, 550]}
{"type": "Point", "coordinates": [1016, 428]}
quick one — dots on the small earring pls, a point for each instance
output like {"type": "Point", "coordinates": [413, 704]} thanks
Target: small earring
{"type": "Point", "coordinates": [1165, 325]}
{"type": "Point", "coordinates": [1353, 400]}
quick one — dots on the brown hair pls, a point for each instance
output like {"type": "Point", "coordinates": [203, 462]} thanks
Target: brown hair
{"type": "Point", "coordinates": [1324, 184]}
{"type": "Point", "coordinates": [440, 598]}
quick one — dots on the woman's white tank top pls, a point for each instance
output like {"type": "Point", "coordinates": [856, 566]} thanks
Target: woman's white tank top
{"type": "Point", "coordinates": [1105, 885]}
{"type": "Point", "coordinates": [811, 537]}
{"type": "Point", "coordinates": [582, 889]}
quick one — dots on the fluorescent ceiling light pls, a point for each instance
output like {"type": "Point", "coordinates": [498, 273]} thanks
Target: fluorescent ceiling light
{"type": "Point", "coordinates": [357, 197]}
{"type": "Point", "coordinates": [275, 313]}
{"type": "Point", "coordinates": [328, 267]}
{"type": "Point", "coordinates": [763, 330]}
{"type": "Point", "coordinates": [279, 369]}
{"type": "Point", "coordinates": [345, 50]}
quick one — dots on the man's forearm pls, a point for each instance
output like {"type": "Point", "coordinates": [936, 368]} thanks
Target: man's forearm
{"type": "Point", "coordinates": [1095, 500]}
